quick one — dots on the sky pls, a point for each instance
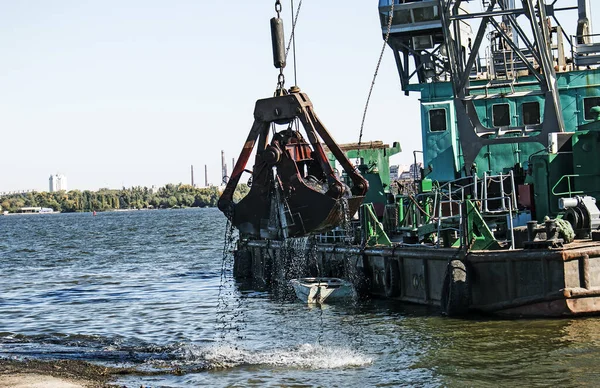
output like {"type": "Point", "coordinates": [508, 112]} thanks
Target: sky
{"type": "Point", "coordinates": [126, 93]}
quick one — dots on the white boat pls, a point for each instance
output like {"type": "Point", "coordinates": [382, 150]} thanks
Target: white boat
{"type": "Point", "coordinates": [317, 290]}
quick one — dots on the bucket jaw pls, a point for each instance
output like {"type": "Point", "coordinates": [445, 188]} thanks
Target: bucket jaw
{"type": "Point", "coordinates": [295, 191]}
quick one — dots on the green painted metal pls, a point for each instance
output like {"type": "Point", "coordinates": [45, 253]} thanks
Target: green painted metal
{"type": "Point", "coordinates": [426, 185]}
{"type": "Point", "coordinates": [374, 157]}
{"type": "Point", "coordinates": [497, 158]}
{"type": "Point", "coordinates": [374, 167]}
{"type": "Point", "coordinates": [377, 188]}
{"type": "Point", "coordinates": [568, 173]}
{"type": "Point", "coordinates": [570, 183]}
{"type": "Point", "coordinates": [400, 204]}
{"type": "Point", "coordinates": [547, 171]}
{"type": "Point", "coordinates": [372, 229]}
{"type": "Point", "coordinates": [586, 154]}
{"type": "Point", "coordinates": [442, 150]}
{"type": "Point", "coordinates": [478, 234]}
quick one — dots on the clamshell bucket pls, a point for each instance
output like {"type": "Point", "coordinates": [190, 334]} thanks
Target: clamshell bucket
{"type": "Point", "coordinates": [295, 191]}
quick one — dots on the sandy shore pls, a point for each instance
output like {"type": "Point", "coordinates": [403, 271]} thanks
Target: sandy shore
{"type": "Point", "coordinates": [53, 374]}
{"type": "Point", "coordinates": [22, 380]}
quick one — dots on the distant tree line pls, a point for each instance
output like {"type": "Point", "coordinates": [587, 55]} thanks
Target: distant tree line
{"type": "Point", "coordinates": [169, 196]}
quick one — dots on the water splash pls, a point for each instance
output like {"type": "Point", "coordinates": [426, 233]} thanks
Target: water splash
{"type": "Point", "coordinates": [303, 356]}
{"type": "Point", "coordinates": [182, 357]}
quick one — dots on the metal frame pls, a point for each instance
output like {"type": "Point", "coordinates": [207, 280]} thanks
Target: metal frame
{"type": "Point", "coordinates": [469, 124]}
{"type": "Point", "coordinates": [532, 50]}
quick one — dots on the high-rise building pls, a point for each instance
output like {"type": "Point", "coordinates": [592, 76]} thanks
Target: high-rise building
{"type": "Point", "coordinates": [58, 182]}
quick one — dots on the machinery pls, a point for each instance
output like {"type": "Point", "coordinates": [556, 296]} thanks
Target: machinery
{"type": "Point", "coordinates": [294, 189]}
{"type": "Point", "coordinates": [582, 213]}
{"type": "Point", "coordinates": [502, 218]}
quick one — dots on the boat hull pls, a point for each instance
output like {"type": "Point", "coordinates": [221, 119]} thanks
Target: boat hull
{"type": "Point", "coordinates": [321, 290]}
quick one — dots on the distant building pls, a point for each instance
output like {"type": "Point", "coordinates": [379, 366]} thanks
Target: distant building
{"type": "Point", "coordinates": [394, 172]}
{"type": "Point", "coordinates": [415, 170]}
{"type": "Point", "coordinates": [409, 173]}
{"type": "Point", "coordinates": [58, 182]}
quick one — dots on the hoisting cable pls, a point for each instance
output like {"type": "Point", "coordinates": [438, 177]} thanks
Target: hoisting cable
{"type": "Point", "coordinates": [385, 41]}
{"type": "Point", "coordinates": [293, 37]}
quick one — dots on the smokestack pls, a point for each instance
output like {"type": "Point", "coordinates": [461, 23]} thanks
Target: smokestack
{"type": "Point", "coordinates": [192, 172]}
{"type": "Point", "coordinates": [224, 177]}
{"type": "Point", "coordinates": [205, 175]}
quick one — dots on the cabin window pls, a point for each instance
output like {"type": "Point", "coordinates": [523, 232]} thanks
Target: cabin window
{"type": "Point", "coordinates": [501, 115]}
{"type": "Point", "coordinates": [437, 120]}
{"type": "Point", "coordinates": [400, 17]}
{"type": "Point", "coordinates": [531, 113]}
{"type": "Point", "coordinates": [425, 14]}
{"type": "Point", "coordinates": [588, 104]}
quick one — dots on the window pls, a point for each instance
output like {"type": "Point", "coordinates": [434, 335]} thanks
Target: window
{"type": "Point", "coordinates": [437, 120]}
{"type": "Point", "coordinates": [400, 17]}
{"type": "Point", "coordinates": [531, 113]}
{"type": "Point", "coordinates": [425, 14]}
{"type": "Point", "coordinates": [588, 104]}
{"type": "Point", "coordinates": [423, 42]}
{"type": "Point", "coordinates": [501, 115]}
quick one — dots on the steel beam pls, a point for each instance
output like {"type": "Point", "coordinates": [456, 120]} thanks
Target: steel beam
{"type": "Point", "coordinates": [541, 33]}
{"type": "Point", "coordinates": [475, 49]}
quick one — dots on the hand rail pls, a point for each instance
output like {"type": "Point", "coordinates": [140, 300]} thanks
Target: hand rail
{"type": "Point", "coordinates": [569, 176]}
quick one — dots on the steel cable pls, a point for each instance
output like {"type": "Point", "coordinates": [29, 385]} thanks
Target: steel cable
{"type": "Point", "coordinates": [387, 37]}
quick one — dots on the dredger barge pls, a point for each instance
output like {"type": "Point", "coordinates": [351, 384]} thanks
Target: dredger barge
{"type": "Point", "coordinates": [502, 218]}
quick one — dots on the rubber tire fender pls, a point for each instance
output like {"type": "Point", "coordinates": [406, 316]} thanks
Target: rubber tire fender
{"type": "Point", "coordinates": [455, 299]}
{"type": "Point", "coordinates": [391, 278]}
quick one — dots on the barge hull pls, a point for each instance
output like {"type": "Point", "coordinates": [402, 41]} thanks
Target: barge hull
{"type": "Point", "coordinates": [515, 283]}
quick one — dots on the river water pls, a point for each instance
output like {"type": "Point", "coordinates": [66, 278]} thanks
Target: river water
{"type": "Point", "coordinates": [146, 289]}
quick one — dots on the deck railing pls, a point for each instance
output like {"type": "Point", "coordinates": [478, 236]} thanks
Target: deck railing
{"type": "Point", "coordinates": [585, 54]}
{"type": "Point", "coordinates": [569, 191]}
{"type": "Point", "coordinates": [452, 195]}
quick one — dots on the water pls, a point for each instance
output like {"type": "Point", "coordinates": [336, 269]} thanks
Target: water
{"type": "Point", "coordinates": [142, 289]}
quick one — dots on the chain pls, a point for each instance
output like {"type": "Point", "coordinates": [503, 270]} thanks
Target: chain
{"type": "Point", "coordinates": [280, 83]}
{"type": "Point", "coordinates": [387, 37]}
{"type": "Point", "coordinates": [280, 90]}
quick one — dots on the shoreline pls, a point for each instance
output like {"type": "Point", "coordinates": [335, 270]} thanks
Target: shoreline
{"type": "Point", "coordinates": [55, 374]}
{"type": "Point", "coordinates": [111, 211]}
{"type": "Point", "coordinates": [66, 373]}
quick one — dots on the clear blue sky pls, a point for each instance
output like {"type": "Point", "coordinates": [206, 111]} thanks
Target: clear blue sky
{"type": "Point", "coordinates": [113, 93]}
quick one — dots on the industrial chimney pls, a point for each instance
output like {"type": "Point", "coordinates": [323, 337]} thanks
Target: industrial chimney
{"type": "Point", "coordinates": [224, 177]}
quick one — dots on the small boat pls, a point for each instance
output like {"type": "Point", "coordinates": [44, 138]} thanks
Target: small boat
{"type": "Point", "coordinates": [317, 290]}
